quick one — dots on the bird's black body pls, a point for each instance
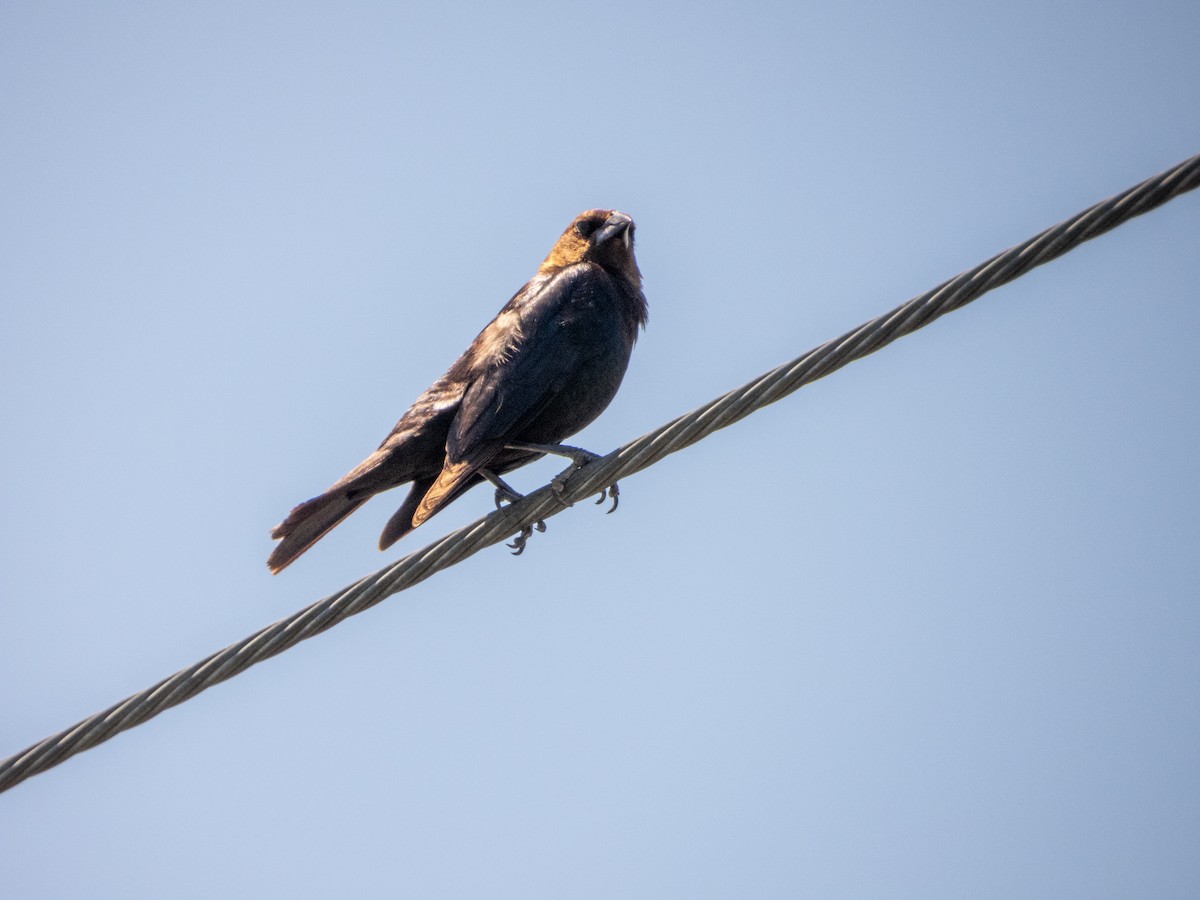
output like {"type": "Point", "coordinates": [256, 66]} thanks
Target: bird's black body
{"type": "Point", "coordinates": [545, 367]}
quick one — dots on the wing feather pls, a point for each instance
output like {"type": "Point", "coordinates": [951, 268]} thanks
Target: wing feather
{"type": "Point", "coordinates": [530, 358]}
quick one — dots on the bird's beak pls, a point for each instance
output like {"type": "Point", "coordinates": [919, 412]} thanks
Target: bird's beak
{"type": "Point", "coordinates": [617, 223]}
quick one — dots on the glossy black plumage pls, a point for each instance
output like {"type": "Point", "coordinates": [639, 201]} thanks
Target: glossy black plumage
{"type": "Point", "coordinates": [545, 367]}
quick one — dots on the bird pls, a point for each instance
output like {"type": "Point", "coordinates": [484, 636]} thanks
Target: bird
{"type": "Point", "coordinates": [545, 367]}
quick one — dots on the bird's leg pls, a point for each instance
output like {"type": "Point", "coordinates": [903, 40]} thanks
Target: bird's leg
{"type": "Point", "coordinates": [579, 458]}
{"type": "Point", "coordinates": [505, 492]}
{"type": "Point", "coordinates": [577, 455]}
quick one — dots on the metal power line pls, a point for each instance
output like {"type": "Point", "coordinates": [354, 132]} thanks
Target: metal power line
{"type": "Point", "coordinates": [632, 457]}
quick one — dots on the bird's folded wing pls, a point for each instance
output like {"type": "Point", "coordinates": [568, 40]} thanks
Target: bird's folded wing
{"type": "Point", "coordinates": [511, 388]}
{"type": "Point", "coordinates": [518, 385]}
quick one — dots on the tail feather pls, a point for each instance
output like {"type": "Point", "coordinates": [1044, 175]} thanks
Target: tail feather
{"type": "Point", "coordinates": [308, 523]}
{"type": "Point", "coordinates": [401, 522]}
{"type": "Point", "coordinates": [449, 483]}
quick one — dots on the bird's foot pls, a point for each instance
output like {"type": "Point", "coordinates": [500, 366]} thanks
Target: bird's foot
{"type": "Point", "coordinates": [505, 493]}
{"type": "Point", "coordinates": [559, 484]}
{"type": "Point", "coordinates": [579, 458]}
{"type": "Point", "coordinates": [518, 544]}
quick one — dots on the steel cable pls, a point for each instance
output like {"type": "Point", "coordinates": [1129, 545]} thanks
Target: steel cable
{"type": "Point", "coordinates": [626, 460]}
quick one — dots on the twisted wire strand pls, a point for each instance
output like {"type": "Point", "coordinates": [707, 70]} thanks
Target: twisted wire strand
{"type": "Point", "coordinates": [626, 460]}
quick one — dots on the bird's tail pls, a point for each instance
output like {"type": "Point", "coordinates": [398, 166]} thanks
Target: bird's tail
{"type": "Point", "coordinates": [308, 523]}
{"type": "Point", "coordinates": [401, 522]}
{"type": "Point", "coordinates": [449, 484]}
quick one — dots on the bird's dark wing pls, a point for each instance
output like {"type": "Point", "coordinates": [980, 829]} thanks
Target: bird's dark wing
{"type": "Point", "coordinates": [519, 385]}
{"type": "Point", "coordinates": [509, 390]}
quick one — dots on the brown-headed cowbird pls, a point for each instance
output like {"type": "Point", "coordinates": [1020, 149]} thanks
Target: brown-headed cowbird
{"type": "Point", "coordinates": [546, 366]}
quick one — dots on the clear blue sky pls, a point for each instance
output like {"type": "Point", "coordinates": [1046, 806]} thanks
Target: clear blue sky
{"type": "Point", "coordinates": [929, 628]}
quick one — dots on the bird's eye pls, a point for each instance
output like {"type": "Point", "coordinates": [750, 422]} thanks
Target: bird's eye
{"type": "Point", "coordinates": [587, 227]}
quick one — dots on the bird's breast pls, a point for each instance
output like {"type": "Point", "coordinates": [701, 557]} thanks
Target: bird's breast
{"type": "Point", "coordinates": [594, 327]}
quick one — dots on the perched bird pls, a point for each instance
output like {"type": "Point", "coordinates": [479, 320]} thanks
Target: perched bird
{"type": "Point", "coordinates": [545, 367]}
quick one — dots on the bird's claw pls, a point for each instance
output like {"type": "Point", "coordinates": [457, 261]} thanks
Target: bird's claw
{"type": "Point", "coordinates": [580, 458]}
{"type": "Point", "coordinates": [558, 484]}
{"type": "Point", "coordinates": [611, 491]}
{"type": "Point", "coordinates": [518, 544]}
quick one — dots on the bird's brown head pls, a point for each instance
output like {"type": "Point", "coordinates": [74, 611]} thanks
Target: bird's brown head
{"type": "Point", "coordinates": [602, 236]}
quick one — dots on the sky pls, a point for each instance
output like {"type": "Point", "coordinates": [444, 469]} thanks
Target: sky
{"type": "Point", "coordinates": [929, 627]}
